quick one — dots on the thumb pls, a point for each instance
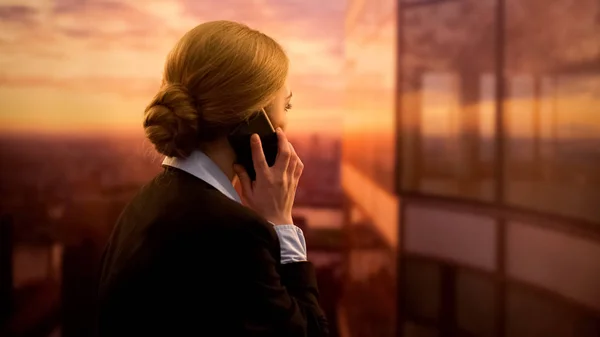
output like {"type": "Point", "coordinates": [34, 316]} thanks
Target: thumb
{"type": "Point", "coordinates": [244, 179]}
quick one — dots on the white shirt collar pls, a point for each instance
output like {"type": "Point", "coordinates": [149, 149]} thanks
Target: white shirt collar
{"type": "Point", "coordinates": [200, 165]}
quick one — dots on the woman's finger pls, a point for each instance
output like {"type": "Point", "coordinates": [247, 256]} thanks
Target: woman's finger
{"type": "Point", "coordinates": [299, 169]}
{"type": "Point", "coordinates": [283, 151]}
{"type": "Point", "coordinates": [244, 179]}
{"type": "Point", "coordinates": [293, 160]}
{"type": "Point", "coordinates": [258, 156]}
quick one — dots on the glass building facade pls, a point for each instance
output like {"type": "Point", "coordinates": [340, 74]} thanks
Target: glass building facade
{"type": "Point", "coordinates": [471, 168]}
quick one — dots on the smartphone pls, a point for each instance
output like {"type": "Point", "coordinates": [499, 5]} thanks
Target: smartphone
{"type": "Point", "coordinates": [239, 139]}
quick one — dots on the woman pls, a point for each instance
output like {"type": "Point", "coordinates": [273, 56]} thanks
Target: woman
{"type": "Point", "coordinates": [186, 257]}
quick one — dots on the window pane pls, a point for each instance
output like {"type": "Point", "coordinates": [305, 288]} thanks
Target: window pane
{"type": "Point", "coordinates": [559, 262]}
{"type": "Point", "coordinates": [421, 288]}
{"type": "Point", "coordinates": [449, 235]}
{"type": "Point", "coordinates": [448, 88]}
{"type": "Point", "coordinates": [531, 314]}
{"type": "Point", "coordinates": [381, 207]}
{"type": "Point", "coordinates": [552, 106]}
{"type": "Point", "coordinates": [369, 119]}
{"type": "Point", "coordinates": [475, 299]}
{"type": "Point", "coordinates": [369, 156]}
{"type": "Point", "coordinates": [369, 298]}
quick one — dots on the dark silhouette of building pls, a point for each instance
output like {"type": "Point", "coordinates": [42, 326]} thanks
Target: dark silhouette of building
{"type": "Point", "coordinates": [6, 267]}
{"type": "Point", "coordinates": [80, 271]}
{"type": "Point", "coordinates": [29, 293]}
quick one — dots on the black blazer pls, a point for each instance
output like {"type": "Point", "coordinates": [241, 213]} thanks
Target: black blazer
{"type": "Point", "coordinates": [185, 260]}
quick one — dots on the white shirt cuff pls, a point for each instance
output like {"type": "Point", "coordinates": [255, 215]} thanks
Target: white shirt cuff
{"type": "Point", "coordinates": [292, 243]}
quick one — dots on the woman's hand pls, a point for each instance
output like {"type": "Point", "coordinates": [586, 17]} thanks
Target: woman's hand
{"type": "Point", "coordinates": [272, 193]}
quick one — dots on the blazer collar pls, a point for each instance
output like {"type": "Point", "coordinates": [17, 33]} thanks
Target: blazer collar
{"type": "Point", "coordinates": [201, 166]}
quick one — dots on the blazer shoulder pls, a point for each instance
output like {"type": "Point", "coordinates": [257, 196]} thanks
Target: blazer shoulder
{"type": "Point", "coordinates": [246, 222]}
{"type": "Point", "coordinates": [197, 203]}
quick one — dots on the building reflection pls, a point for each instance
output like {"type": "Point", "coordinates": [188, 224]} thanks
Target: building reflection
{"type": "Point", "coordinates": [470, 153]}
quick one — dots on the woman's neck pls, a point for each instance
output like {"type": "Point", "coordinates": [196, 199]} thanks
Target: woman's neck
{"type": "Point", "coordinates": [221, 153]}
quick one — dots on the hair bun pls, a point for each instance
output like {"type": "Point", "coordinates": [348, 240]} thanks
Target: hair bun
{"type": "Point", "coordinates": [171, 121]}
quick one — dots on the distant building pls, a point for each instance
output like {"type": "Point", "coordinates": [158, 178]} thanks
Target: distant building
{"type": "Point", "coordinates": [6, 267]}
{"type": "Point", "coordinates": [320, 184]}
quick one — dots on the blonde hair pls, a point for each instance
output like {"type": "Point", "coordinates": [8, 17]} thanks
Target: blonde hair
{"type": "Point", "coordinates": [216, 76]}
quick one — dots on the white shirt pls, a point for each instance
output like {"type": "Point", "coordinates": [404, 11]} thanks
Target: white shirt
{"type": "Point", "coordinates": [198, 164]}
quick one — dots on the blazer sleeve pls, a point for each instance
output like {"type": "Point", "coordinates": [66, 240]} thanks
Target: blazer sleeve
{"type": "Point", "coordinates": [284, 297]}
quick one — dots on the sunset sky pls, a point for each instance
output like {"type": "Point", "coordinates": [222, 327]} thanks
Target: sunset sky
{"type": "Point", "coordinates": [93, 65]}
